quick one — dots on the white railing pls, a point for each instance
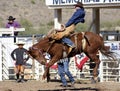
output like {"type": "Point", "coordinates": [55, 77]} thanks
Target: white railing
{"type": "Point", "coordinates": [5, 73]}
{"type": "Point", "coordinates": [0, 62]}
{"type": "Point", "coordinates": [6, 63]}
{"type": "Point", "coordinates": [109, 69]}
{"type": "Point", "coordinates": [10, 30]}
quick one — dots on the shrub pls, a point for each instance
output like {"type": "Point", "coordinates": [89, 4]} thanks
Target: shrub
{"type": "Point", "coordinates": [33, 1]}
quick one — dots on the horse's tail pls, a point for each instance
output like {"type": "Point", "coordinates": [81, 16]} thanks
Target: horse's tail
{"type": "Point", "coordinates": [105, 50]}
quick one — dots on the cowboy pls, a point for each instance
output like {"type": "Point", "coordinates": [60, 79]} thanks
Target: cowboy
{"type": "Point", "coordinates": [12, 23]}
{"type": "Point", "coordinates": [77, 17]}
{"type": "Point", "coordinates": [63, 68]}
{"type": "Point", "coordinates": [19, 57]}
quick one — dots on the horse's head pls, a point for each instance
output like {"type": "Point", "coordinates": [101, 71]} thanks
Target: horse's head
{"type": "Point", "coordinates": [37, 54]}
{"type": "Point", "coordinates": [37, 50]}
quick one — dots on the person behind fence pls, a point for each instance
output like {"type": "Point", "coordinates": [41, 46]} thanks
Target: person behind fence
{"type": "Point", "coordinates": [69, 27]}
{"type": "Point", "coordinates": [19, 56]}
{"type": "Point", "coordinates": [12, 24]}
{"type": "Point", "coordinates": [63, 68]}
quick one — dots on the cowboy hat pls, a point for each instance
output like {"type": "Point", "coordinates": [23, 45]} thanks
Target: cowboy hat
{"type": "Point", "coordinates": [78, 4]}
{"type": "Point", "coordinates": [11, 18]}
{"type": "Point", "coordinates": [20, 43]}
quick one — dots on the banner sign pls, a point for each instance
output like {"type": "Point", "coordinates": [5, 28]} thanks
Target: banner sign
{"type": "Point", "coordinates": [114, 47]}
{"type": "Point", "coordinates": [80, 60]}
{"type": "Point", "coordinates": [72, 2]}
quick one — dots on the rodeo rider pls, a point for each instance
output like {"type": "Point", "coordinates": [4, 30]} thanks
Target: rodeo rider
{"type": "Point", "coordinates": [69, 27]}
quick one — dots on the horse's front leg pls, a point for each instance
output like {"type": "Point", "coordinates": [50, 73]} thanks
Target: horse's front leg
{"type": "Point", "coordinates": [47, 74]}
{"type": "Point", "coordinates": [47, 66]}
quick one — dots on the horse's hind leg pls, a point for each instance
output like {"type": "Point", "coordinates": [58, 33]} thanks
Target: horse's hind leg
{"type": "Point", "coordinates": [95, 70]}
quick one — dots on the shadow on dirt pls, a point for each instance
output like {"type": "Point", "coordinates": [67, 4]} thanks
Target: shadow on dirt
{"type": "Point", "coordinates": [74, 89]}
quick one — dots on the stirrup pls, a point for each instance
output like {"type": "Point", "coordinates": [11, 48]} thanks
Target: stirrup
{"type": "Point", "coordinates": [52, 41]}
{"type": "Point", "coordinates": [69, 50]}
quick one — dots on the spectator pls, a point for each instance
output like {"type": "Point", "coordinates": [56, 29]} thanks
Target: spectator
{"type": "Point", "coordinates": [20, 58]}
{"type": "Point", "coordinates": [12, 23]}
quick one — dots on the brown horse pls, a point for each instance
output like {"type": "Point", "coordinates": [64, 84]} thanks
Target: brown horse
{"type": "Point", "coordinates": [87, 42]}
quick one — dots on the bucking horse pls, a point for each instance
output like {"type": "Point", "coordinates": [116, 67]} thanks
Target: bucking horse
{"type": "Point", "coordinates": [87, 42]}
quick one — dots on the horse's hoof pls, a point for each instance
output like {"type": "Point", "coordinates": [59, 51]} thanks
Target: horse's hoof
{"type": "Point", "coordinates": [43, 78]}
{"type": "Point", "coordinates": [93, 81]}
{"type": "Point", "coordinates": [48, 79]}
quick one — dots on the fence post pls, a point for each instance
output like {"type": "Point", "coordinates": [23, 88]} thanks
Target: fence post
{"type": "Point", "coordinates": [119, 71]}
{"type": "Point", "coordinates": [101, 68]}
{"type": "Point", "coordinates": [0, 62]}
{"type": "Point", "coordinates": [33, 61]}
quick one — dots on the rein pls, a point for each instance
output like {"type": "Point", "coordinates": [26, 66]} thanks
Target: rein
{"type": "Point", "coordinates": [40, 50]}
{"type": "Point", "coordinates": [50, 45]}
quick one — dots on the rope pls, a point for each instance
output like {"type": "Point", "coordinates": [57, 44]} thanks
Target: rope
{"type": "Point", "coordinates": [50, 45]}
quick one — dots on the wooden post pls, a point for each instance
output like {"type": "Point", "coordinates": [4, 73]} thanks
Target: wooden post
{"type": "Point", "coordinates": [96, 19]}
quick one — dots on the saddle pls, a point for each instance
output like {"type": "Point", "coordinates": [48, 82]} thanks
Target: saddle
{"type": "Point", "coordinates": [73, 34]}
{"type": "Point", "coordinates": [65, 32]}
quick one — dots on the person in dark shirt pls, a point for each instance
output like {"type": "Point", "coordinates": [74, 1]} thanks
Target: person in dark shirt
{"type": "Point", "coordinates": [19, 56]}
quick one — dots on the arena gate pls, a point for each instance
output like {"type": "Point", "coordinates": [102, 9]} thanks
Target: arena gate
{"type": "Point", "coordinates": [6, 63]}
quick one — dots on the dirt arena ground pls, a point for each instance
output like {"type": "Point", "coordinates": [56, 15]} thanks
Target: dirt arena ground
{"type": "Point", "coordinates": [33, 85]}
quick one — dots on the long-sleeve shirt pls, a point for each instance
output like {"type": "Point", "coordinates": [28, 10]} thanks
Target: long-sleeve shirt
{"type": "Point", "coordinates": [20, 56]}
{"type": "Point", "coordinates": [77, 17]}
{"type": "Point", "coordinates": [15, 24]}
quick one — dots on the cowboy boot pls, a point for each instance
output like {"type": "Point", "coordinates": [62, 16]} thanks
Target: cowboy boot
{"type": "Point", "coordinates": [22, 79]}
{"type": "Point", "coordinates": [17, 78]}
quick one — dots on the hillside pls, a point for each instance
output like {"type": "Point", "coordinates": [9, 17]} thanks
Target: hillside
{"type": "Point", "coordinates": [32, 10]}
{"type": "Point", "coordinates": [36, 14]}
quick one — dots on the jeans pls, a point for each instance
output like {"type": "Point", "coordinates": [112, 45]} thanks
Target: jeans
{"type": "Point", "coordinates": [63, 68]}
{"type": "Point", "coordinates": [68, 41]}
